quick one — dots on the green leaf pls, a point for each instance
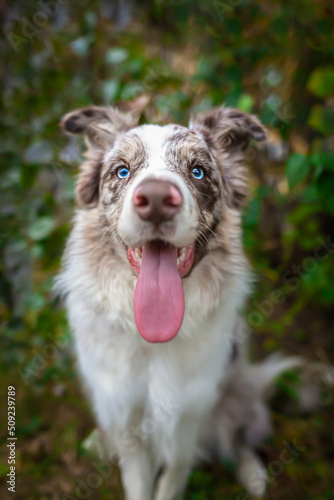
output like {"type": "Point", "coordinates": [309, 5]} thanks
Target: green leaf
{"type": "Point", "coordinates": [245, 103]}
{"type": "Point", "coordinates": [321, 82]}
{"type": "Point", "coordinates": [131, 90]}
{"type": "Point", "coordinates": [110, 90]}
{"type": "Point", "coordinates": [322, 119]}
{"type": "Point", "coordinates": [116, 56]}
{"type": "Point", "coordinates": [322, 161]}
{"type": "Point", "coordinates": [81, 45]}
{"type": "Point", "coordinates": [41, 228]}
{"type": "Point", "coordinates": [325, 187]}
{"type": "Point", "coordinates": [297, 169]}
{"type": "Point", "coordinates": [316, 160]}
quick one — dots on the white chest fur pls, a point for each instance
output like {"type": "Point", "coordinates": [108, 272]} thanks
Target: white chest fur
{"type": "Point", "coordinates": [141, 390]}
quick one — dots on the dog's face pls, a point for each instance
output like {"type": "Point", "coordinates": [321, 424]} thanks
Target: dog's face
{"type": "Point", "coordinates": [161, 192]}
{"type": "Point", "coordinates": [161, 183]}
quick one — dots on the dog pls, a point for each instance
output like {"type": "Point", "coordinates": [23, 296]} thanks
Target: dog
{"type": "Point", "coordinates": [154, 276]}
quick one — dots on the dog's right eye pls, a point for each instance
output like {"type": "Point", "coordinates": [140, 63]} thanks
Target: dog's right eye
{"type": "Point", "coordinates": [198, 173]}
{"type": "Point", "coordinates": [123, 172]}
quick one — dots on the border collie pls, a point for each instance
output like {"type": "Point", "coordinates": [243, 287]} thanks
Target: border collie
{"type": "Point", "coordinates": [154, 276]}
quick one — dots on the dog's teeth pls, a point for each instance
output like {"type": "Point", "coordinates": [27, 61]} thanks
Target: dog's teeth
{"type": "Point", "coordinates": [182, 256]}
{"type": "Point", "coordinates": [138, 254]}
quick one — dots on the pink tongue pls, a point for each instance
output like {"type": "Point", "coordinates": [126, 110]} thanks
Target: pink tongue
{"type": "Point", "coordinates": [159, 299]}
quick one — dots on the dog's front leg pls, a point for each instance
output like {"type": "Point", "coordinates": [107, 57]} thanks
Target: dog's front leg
{"type": "Point", "coordinates": [181, 450]}
{"type": "Point", "coordinates": [138, 474]}
{"type": "Point", "coordinates": [173, 482]}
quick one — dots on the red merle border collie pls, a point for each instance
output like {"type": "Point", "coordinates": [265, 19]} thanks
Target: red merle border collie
{"type": "Point", "coordinates": [154, 275]}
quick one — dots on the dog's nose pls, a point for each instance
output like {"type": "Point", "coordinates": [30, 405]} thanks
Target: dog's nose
{"type": "Point", "coordinates": [156, 200]}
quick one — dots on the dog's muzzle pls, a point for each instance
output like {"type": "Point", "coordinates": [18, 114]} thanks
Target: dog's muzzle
{"type": "Point", "coordinates": [160, 266]}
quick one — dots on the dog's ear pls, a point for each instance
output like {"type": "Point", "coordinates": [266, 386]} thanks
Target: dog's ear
{"type": "Point", "coordinates": [229, 128]}
{"type": "Point", "coordinates": [98, 124]}
{"type": "Point", "coordinates": [100, 127]}
{"type": "Point", "coordinates": [228, 132]}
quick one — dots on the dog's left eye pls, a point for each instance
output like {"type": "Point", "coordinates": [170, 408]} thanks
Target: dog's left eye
{"type": "Point", "coordinates": [123, 172]}
{"type": "Point", "coordinates": [198, 173]}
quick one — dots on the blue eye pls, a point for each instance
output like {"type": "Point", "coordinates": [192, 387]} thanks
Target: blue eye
{"type": "Point", "coordinates": [198, 173]}
{"type": "Point", "coordinates": [123, 172]}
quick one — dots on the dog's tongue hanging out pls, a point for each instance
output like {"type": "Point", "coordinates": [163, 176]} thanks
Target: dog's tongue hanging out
{"type": "Point", "coordinates": [159, 298]}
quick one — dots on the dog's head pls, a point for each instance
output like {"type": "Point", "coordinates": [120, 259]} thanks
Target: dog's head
{"type": "Point", "coordinates": [161, 192]}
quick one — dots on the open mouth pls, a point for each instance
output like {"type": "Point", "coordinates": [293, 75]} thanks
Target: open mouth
{"type": "Point", "coordinates": [159, 297]}
{"type": "Point", "coordinates": [184, 257]}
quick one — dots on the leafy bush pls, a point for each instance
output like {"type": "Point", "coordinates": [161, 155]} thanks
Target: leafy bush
{"type": "Point", "coordinates": [271, 58]}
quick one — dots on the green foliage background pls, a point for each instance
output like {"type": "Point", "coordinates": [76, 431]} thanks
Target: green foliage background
{"type": "Point", "coordinates": [271, 58]}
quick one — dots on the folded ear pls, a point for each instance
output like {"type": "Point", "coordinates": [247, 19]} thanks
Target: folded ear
{"type": "Point", "coordinates": [229, 128]}
{"type": "Point", "coordinates": [98, 124]}
{"type": "Point", "coordinates": [100, 127]}
{"type": "Point", "coordinates": [228, 132]}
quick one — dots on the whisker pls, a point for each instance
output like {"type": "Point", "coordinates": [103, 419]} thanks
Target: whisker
{"type": "Point", "coordinates": [206, 239]}
{"type": "Point", "coordinates": [214, 234]}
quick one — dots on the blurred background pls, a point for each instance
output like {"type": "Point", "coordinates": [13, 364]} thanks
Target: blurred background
{"type": "Point", "coordinates": [274, 59]}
